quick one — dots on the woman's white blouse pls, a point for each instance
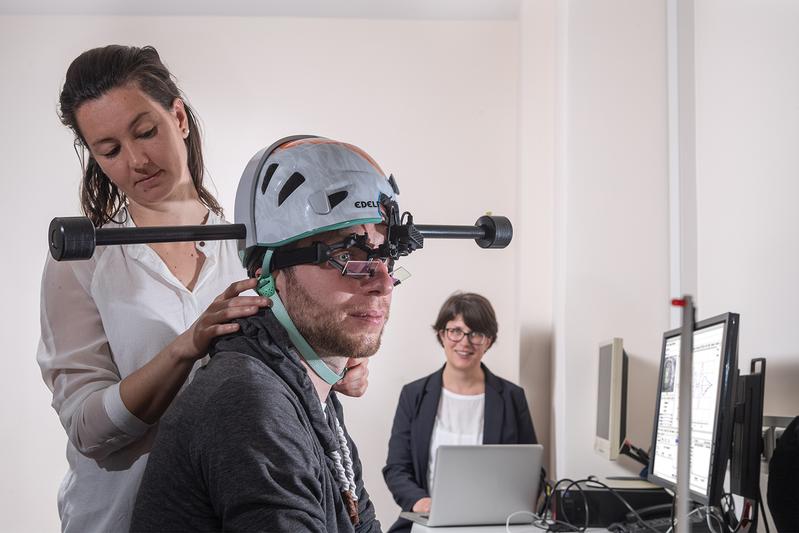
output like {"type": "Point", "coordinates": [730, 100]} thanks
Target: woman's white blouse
{"type": "Point", "coordinates": [101, 320]}
{"type": "Point", "coordinates": [459, 421]}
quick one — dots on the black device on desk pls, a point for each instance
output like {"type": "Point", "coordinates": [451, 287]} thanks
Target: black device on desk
{"type": "Point", "coordinates": [605, 503]}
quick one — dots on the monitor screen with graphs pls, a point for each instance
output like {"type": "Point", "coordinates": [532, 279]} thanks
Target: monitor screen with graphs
{"type": "Point", "coordinates": [714, 374]}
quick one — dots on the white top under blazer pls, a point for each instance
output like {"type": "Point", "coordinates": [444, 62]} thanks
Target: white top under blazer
{"type": "Point", "coordinates": [459, 421]}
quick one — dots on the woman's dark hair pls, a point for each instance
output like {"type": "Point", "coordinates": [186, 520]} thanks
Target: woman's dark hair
{"type": "Point", "coordinates": [90, 76]}
{"type": "Point", "coordinates": [476, 311]}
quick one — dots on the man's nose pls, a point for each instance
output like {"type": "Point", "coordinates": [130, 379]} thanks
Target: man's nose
{"type": "Point", "coordinates": [381, 281]}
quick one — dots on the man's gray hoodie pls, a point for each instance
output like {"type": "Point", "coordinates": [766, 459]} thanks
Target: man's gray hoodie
{"type": "Point", "coordinates": [248, 447]}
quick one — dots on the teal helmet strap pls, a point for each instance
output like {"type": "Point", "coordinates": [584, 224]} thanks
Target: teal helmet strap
{"type": "Point", "coordinates": [266, 283]}
{"type": "Point", "coordinates": [266, 287]}
{"type": "Point", "coordinates": [307, 353]}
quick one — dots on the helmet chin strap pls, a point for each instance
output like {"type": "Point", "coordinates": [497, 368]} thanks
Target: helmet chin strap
{"type": "Point", "coordinates": [266, 287]}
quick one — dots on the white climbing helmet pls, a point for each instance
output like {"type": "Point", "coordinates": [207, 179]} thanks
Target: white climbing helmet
{"type": "Point", "coordinates": [304, 185]}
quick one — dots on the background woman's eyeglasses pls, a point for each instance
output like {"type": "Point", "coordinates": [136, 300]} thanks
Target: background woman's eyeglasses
{"type": "Point", "coordinates": [475, 337]}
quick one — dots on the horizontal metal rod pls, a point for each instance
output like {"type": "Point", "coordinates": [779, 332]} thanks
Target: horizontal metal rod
{"type": "Point", "coordinates": [212, 232]}
{"type": "Point", "coordinates": [75, 238]}
{"type": "Point", "coordinates": [451, 232]}
{"type": "Point", "coordinates": [215, 232]}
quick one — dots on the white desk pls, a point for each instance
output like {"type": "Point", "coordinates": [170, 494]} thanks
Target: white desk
{"type": "Point", "coordinates": [517, 528]}
{"type": "Point", "coordinates": [418, 528]}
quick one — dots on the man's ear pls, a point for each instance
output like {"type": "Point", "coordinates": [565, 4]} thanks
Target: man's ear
{"type": "Point", "coordinates": [258, 272]}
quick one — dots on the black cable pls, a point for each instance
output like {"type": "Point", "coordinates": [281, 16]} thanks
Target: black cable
{"type": "Point", "coordinates": [762, 509]}
{"type": "Point", "coordinates": [673, 508]}
{"type": "Point", "coordinates": [710, 514]}
{"type": "Point", "coordinates": [567, 522]}
{"type": "Point", "coordinates": [540, 521]}
{"type": "Point", "coordinates": [622, 500]}
{"type": "Point", "coordinates": [548, 491]}
{"type": "Point", "coordinates": [585, 503]}
{"type": "Point", "coordinates": [729, 512]}
{"type": "Point", "coordinates": [562, 510]}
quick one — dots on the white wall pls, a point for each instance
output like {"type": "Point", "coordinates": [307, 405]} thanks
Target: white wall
{"type": "Point", "coordinates": [747, 131]}
{"type": "Point", "coordinates": [434, 102]}
{"type": "Point", "coordinates": [611, 228]}
{"type": "Point", "coordinates": [534, 230]}
{"type": "Point", "coordinates": [747, 116]}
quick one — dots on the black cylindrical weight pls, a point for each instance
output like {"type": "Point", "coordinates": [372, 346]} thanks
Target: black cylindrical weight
{"type": "Point", "coordinates": [71, 238]}
{"type": "Point", "coordinates": [498, 231]}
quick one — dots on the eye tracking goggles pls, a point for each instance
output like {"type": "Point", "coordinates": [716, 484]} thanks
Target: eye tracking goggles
{"type": "Point", "coordinates": [352, 256]}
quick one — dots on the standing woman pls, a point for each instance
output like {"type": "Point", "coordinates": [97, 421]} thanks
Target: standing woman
{"type": "Point", "coordinates": [463, 403]}
{"type": "Point", "coordinates": [122, 332]}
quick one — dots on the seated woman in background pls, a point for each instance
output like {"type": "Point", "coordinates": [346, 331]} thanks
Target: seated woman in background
{"type": "Point", "coordinates": [463, 403]}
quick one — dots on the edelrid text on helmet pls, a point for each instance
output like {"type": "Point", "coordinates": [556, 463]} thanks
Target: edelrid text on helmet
{"type": "Point", "coordinates": [368, 203]}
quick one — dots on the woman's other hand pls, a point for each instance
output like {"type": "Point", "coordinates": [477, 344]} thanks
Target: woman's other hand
{"type": "Point", "coordinates": [217, 320]}
{"type": "Point", "coordinates": [356, 380]}
{"type": "Point", "coordinates": [422, 506]}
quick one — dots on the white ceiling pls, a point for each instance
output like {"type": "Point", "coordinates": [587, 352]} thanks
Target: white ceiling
{"type": "Point", "coordinates": [370, 9]}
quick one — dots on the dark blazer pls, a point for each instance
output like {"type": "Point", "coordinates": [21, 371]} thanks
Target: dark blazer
{"type": "Point", "coordinates": [507, 421]}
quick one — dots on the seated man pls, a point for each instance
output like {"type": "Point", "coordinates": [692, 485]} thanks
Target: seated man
{"type": "Point", "coordinates": [257, 441]}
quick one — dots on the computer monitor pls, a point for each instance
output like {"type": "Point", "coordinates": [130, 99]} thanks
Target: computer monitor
{"type": "Point", "coordinates": [714, 374]}
{"type": "Point", "coordinates": [747, 433]}
{"type": "Point", "coordinates": [611, 402]}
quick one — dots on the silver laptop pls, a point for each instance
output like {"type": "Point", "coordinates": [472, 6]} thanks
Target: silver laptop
{"type": "Point", "coordinates": [483, 485]}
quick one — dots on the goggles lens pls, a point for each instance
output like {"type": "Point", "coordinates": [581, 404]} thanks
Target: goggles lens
{"type": "Point", "coordinates": [357, 260]}
{"type": "Point", "coordinates": [359, 269]}
{"type": "Point", "coordinates": [399, 275]}
{"type": "Point", "coordinates": [367, 268]}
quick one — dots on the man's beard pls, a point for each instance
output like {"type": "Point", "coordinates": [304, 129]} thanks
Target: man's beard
{"type": "Point", "coordinates": [322, 328]}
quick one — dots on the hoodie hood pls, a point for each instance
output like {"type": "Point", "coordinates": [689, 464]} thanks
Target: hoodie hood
{"type": "Point", "coordinates": [261, 336]}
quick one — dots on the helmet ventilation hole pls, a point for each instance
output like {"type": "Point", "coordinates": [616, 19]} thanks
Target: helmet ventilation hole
{"type": "Point", "coordinates": [336, 198]}
{"type": "Point", "coordinates": [294, 181]}
{"type": "Point", "coordinates": [269, 172]}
